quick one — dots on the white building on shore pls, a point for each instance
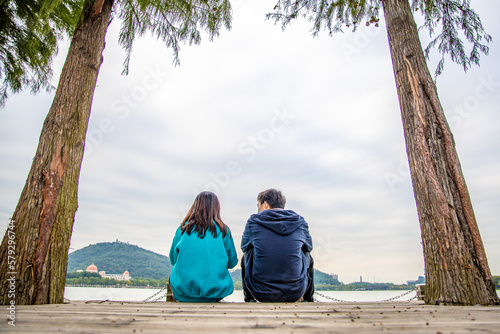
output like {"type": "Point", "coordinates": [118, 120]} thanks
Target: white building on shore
{"type": "Point", "coordinates": [119, 277]}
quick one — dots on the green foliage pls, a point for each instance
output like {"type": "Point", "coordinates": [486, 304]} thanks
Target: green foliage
{"type": "Point", "coordinates": [324, 278]}
{"type": "Point", "coordinates": [82, 274]}
{"type": "Point", "coordinates": [327, 15]}
{"type": "Point", "coordinates": [29, 30]}
{"type": "Point", "coordinates": [86, 278]}
{"type": "Point", "coordinates": [456, 18]}
{"type": "Point", "coordinates": [151, 282]}
{"type": "Point", "coordinates": [171, 21]}
{"type": "Point", "coordinates": [452, 17]}
{"type": "Point", "coordinates": [496, 279]}
{"type": "Point", "coordinates": [94, 281]}
{"type": "Point", "coordinates": [236, 275]}
{"type": "Point", "coordinates": [116, 257]}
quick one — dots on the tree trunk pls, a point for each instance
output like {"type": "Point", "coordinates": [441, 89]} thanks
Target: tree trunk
{"type": "Point", "coordinates": [44, 216]}
{"type": "Point", "coordinates": [456, 267]}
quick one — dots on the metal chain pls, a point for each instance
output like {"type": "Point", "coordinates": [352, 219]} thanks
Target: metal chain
{"type": "Point", "coordinates": [401, 295]}
{"type": "Point", "coordinates": [163, 296]}
{"type": "Point", "coordinates": [384, 300]}
{"type": "Point", "coordinates": [331, 298]}
{"type": "Point", "coordinates": [150, 298]}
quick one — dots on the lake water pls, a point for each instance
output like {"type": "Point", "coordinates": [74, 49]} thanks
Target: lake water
{"type": "Point", "coordinates": [129, 294]}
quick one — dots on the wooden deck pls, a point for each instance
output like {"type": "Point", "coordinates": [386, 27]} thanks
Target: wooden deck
{"type": "Point", "coordinates": [161, 317]}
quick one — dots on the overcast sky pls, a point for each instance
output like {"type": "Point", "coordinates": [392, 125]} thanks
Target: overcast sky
{"type": "Point", "coordinates": [258, 108]}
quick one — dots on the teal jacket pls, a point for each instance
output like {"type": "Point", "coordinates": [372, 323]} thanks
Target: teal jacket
{"type": "Point", "coordinates": [200, 266]}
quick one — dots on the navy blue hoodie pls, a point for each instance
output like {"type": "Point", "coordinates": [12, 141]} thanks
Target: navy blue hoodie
{"type": "Point", "coordinates": [275, 264]}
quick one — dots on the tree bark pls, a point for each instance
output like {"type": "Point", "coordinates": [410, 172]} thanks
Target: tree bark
{"type": "Point", "coordinates": [456, 267]}
{"type": "Point", "coordinates": [44, 216]}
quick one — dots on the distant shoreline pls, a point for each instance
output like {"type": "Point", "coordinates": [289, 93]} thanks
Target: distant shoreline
{"type": "Point", "coordinates": [112, 286]}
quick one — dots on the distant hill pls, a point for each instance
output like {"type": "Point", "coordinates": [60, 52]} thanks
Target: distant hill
{"type": "Point", "coordinates": [116, 257]}
{"type": "Point", "coordinates": [324, 278]}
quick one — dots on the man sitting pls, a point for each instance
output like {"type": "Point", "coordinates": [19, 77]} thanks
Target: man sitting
{"type": "Point", "coordinates": [276, 264]}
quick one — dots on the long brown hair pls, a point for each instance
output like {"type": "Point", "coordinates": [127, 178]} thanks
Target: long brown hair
{"type": "Point", "coordinates": [203, 215]}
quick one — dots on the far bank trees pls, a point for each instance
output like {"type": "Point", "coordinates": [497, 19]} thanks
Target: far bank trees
{"type": "Point", "coordinates": [29, 30]}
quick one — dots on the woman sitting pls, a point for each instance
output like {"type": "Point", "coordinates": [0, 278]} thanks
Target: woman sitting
{"type": "Point", "coordinates": [201, 254]}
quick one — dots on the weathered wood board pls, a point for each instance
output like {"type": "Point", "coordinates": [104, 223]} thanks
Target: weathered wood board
{"type": "Point", "coordinates": [161, 317]}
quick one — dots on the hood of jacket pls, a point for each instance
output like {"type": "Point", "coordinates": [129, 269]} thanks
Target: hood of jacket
{"type": "Point", "coordinates": [282, 222]}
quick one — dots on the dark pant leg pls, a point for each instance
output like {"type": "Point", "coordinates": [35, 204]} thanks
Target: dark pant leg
{"type": "Point", "coordinates": [309, 294]}
{"type": "Point", "coordinates": [246, 291]}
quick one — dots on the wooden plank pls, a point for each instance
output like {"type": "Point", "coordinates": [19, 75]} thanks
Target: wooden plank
{"type": "Point", "coordinates": [161, 317]}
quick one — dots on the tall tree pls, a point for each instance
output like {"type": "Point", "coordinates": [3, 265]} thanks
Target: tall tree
{"type": "Point", "coordinates": [456, 267]}
{"type": "Point", "coordinates": [42, 222]}
{"type": "Point", "coordinates": [29, 30]}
